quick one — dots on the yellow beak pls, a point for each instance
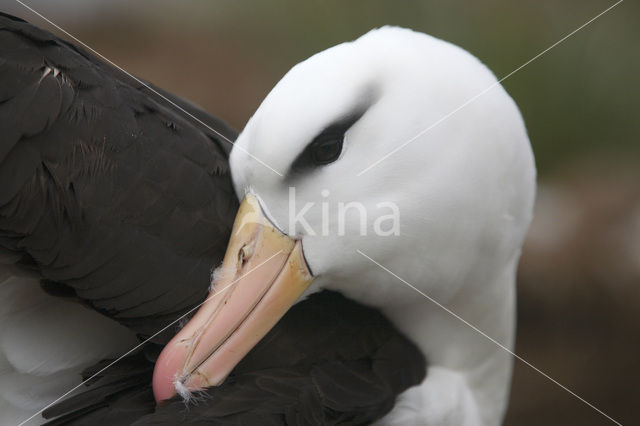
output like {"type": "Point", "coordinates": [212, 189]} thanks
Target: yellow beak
{"type": "Point", "coordinates": [263, 273]}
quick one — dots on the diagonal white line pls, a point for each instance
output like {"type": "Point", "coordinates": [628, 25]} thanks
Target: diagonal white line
{"type": "Point", "coordinates": [139, 345]}
{"type": "Point", "coordinates": [470, 100]}
{"type": "Point", "coordinates": [518, 357]}
{"type": "Point", "coordinates": [86, 46]}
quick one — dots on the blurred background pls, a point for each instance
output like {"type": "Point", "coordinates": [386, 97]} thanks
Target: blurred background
{"type": "Point", "coordinates": [579, 283]}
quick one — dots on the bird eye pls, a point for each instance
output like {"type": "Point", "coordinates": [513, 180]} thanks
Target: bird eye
{"type": "Point", "coordinates": [327, 149]}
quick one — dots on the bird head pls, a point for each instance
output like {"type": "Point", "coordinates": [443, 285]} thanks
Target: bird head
{"type": "Point", "coordinates": [397, 147]}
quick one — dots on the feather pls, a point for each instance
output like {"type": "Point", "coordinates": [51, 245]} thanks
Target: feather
{"type": "Point", "coordinates": [339, 374]}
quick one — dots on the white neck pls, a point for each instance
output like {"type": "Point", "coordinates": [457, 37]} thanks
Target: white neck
{"type": "Point", "coordinates": [449, 342]}
{"type": "Point", "coordinates": [456, 335]}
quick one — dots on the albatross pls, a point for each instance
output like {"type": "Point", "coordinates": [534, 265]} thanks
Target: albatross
{"type": "Point", "coordinates": [116, 202]}
{"type": "Point", "coordinates": [359, 125]}
{"type": "Point", "coordinates": [337, 126]}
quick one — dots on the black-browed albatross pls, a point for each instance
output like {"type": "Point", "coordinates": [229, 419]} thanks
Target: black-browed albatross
{"type": "Point", "coordinates": [464, 192]}
{"type": "Point", "coordinates": [115, 205]}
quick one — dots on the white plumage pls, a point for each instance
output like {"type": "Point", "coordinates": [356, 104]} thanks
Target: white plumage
{"type": "Point", "coordinates": [45, 343]}
{"type": "Point", "coordinates": [464, 189]}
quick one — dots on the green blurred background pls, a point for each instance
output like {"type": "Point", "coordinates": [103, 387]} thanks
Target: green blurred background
{"type": "Point", "coordinates": [579, 284]}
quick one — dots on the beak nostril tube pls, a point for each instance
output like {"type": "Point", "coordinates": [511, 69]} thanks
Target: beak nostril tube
{"type": "Point", "coordinates": [244, 254]}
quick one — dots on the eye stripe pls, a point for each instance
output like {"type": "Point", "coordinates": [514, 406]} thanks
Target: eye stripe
{"type": "Point", "coordinates": [326, 147]}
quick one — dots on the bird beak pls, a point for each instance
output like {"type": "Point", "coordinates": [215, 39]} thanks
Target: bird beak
{"type": "Point", "coordinates": [263, 273]}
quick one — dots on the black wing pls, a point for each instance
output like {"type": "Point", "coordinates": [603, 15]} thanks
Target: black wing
{"type": "Point", "coordinates": [106, 190]}
{"type": "Point", "coordinates": [329, 361]}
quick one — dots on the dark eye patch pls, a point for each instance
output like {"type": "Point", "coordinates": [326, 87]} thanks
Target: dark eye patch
{"type": "Point", "coordinates": [326, 147]}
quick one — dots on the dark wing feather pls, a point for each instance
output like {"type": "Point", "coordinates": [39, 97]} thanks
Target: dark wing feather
{"type": "Point", "coordinates": [329, 361]}
{"type": "Point", "coordinates": [105, 187]}
{"type": "Point", "coordinates": [120, 395]}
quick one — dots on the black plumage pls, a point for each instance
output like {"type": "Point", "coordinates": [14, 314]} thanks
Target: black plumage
{"type": "Point", "coordinates": [105, 182]}
{"type": "Point", "coordinates": [120, 201]}
{"type": "Point", "coordinates": [346, 369]}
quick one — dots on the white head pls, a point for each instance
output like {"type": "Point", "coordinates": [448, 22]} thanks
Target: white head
{"type": "Point", "coordinates": [464, 189]}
